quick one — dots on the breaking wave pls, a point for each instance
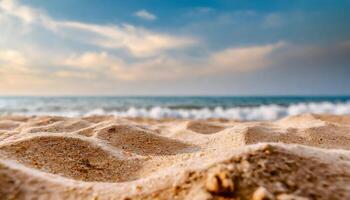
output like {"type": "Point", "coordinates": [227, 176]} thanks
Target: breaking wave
{"type": "Point", "coordinates": [262, 112]}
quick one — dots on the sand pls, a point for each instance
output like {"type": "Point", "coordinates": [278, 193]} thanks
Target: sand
{"type": "Point", "coordinates": [105, 157]}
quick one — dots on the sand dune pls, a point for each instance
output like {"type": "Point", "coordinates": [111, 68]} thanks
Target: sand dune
{"type": "Point", "coordinates": [104, 157]}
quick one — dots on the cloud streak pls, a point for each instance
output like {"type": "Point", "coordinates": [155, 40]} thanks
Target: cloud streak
{"type": "Point", "coordinates": [165, 67]}
{"type": "Point", "coordinates": [244, 58]}
{"type": "Point", "coordinates": [11, 7]}
{"type": "Point", "coordinates": [139, 41]}
{"type": "Point", "coordinates": [10, 58]}
{"type": "Point", "coordinates": [144, 14]}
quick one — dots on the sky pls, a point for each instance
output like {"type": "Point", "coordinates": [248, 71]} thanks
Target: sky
{"type": "Point", "coordinates": [157, 47]}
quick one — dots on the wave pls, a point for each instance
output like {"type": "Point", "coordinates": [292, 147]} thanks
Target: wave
{"type": "Point", "coordinates": [262, 112]}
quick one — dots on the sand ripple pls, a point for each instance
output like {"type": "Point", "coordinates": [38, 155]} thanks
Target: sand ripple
{"type": "Point", "coordinates": [104, 157]}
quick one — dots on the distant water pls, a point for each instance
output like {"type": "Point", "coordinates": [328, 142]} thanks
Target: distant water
{"type": "Point", "coordinates": [243, 108]}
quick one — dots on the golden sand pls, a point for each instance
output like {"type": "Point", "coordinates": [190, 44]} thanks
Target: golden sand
{"type": "Point", "coordinates": [104, 157]}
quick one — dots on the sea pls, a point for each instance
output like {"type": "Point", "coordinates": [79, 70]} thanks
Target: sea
{"type": "Point", "coordinates": [184, 107]}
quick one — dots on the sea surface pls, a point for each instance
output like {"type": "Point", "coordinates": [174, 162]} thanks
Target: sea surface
{"type": "Point", "coordinates": [242, 108]}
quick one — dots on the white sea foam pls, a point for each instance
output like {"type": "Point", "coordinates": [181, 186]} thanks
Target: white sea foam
{"type": "Point", "coordinates": [263, 112]}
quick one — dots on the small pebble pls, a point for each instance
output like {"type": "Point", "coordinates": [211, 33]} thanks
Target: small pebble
{"type": "Point", "coordinates": [262, 194]}
{"type": "Point", "coordinates": [220, 183]}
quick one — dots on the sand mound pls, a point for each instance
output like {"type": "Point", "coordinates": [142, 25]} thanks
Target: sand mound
{"type": "Point", "coordinates": [282, 172]}
{"type": "Point", "coordinates": [325, 135]}
{"type": "Point", "coordinates": [342, 120]}
{"type": "Point", "coordinates": [54, 125]}
{"type": "Point", "coordinates": [71, 157]}
{"type": "Point", "coordinates": [8, 125]}
{"type": "Point", "coordinates": [204, 127]}
{"type": "Point", "coordinates": [103, 157]}
{"type": "Point", "coordinates": [140, 141]}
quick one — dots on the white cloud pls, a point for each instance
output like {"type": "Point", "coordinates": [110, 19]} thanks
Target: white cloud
{"type": "Point", "coordinates": [104, 64]}
{"type": "Point", "coordinates": [91, 60]}
{"type": "Point", "coordinates": [72, 74]}
{"type": "Point", "coordinates": [11, 58]}
{"type": "Point", "coordinates": [144, 14]}
{"type": "Point", "coordinates": [244, 58]}
{"type": "Point", "coordinates": [159, 68]}
{"type": "Point", "coordinates": [71, 52]}
{"type": "Point", "coordinates": [11, 7]}
{"type": "Point", "coordinates": [166, 67]}
{"type": "Point", "coordinates": [139, 41]}
{"type": "Point", "coordinates": [16, 71]}
{"type": "Point", "coordinates": [155, 63]}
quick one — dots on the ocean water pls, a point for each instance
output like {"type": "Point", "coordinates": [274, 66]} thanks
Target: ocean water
{"type": "Point", "coordinates": [242, 108]}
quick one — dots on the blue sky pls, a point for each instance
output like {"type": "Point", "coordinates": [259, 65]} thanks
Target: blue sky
{"type": "Point", "coordinates": [157, 47]}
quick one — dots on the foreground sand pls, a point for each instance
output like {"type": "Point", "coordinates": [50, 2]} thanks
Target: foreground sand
{"type": "Point", "coordinates": [301, 157]}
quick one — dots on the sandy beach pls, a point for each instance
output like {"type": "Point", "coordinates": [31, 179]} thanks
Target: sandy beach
{"type": "Point", "coordinates": [105, 157]}
{"type": "Point", "coordinates": [183, 100]}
